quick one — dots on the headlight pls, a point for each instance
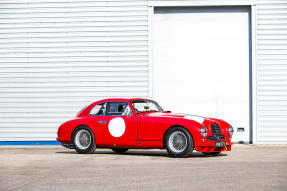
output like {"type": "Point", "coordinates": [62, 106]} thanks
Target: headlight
{"type": "Point", "coordinates": [230, 131]}
{"type": "Point", "coordinates": [203, 132]}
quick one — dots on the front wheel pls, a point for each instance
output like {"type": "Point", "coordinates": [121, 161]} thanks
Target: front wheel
{"type": "Point", "coordinates": [84, 140]}
{"type": "Point", "coordinates": [178, 142]}
{"type": "Point", "coordinates": [119, 150]}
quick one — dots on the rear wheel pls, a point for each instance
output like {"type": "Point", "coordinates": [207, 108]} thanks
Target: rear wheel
{"type": "Point", "coordinates": [119, 150]}
{"type": "Point", "coordinates": [178, 142]}
{"type": "Point", "coordinates": [212, 153]}
{"type": "Point", "coordinates": [84, 140]}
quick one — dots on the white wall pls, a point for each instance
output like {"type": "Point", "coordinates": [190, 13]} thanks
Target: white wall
{"type": "Point", "coordinates": [269, 57]}
{"type": "Point", "coordinates": [56, 56]}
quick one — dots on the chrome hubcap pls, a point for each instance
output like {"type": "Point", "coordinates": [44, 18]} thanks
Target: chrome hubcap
{"type": "Point", "coordinates": [177, 141]}
{"type": "Point", "coordinates": [83, 139]}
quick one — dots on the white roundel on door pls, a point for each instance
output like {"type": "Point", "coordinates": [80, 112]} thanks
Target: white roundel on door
{"type": "Point", "coordinates": [117, 127]}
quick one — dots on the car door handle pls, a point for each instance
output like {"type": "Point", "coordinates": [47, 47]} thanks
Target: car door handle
{"type": "Point", "coordinates": [103, 122]}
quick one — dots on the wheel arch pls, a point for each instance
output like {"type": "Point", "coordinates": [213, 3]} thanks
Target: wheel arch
{"type": "Point", "coordinates": [82, 125]}
{"type": "Point", "coordinates": [173, 126]}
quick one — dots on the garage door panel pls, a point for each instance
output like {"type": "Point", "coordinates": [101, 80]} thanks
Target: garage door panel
{"type": "Point", "coordinates": [201, 61]}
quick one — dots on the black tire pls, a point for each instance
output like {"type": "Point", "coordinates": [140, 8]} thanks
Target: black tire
{"type": "Point", "coordinates": [120, 150]}
{"type": "Point", "coordinates": [184, 148]}
{"type": "Point", "coordinates": [89, 148]}
{"type": "Point", "coordinates": [211, 153]}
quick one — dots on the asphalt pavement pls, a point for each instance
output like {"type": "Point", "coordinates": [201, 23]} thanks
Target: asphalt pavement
{"type": "Point", "coordinates": [246, 167]}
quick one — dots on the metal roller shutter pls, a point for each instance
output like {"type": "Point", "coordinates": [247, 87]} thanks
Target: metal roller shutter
{"type": "Point", "coordinates": [272, 71]}
{"type": "Point", "coordinates": [56, 56]}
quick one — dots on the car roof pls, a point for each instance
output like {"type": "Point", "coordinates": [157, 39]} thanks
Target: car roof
{"type": "Point", "coordinates": [86, 110]}
{"type": "Point", "coordinates": [120, 99]}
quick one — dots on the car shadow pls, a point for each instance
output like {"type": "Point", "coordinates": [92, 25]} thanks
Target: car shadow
{"type": "Point", "coordinates": [131, 153]}
{"type": "Point", "coordinates": [161, 153]}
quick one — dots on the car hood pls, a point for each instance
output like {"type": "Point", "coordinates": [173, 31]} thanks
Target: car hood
{"type": "Point", "coordinates": [198, 119]}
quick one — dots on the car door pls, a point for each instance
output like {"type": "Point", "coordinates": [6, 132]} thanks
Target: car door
{"type": "Point", "coordinates": [151, 126]}
{"type": "Point", "coordinates": [118, 125]}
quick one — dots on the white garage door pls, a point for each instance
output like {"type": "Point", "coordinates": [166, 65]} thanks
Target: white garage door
{"type": "Point", "coordinates": [201, 63]}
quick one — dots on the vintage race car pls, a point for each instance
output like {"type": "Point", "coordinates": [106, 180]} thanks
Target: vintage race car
{"type": "Point", "coordinates": [121, 124]}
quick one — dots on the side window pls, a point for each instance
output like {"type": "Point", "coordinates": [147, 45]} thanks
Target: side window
{"type": "Point", "coordinates": [98, 109]}
{"type": "Point", "coordinates": [118, 108]}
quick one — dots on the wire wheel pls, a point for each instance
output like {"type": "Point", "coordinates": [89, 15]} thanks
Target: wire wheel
{"type": "Point", "coordinates": [177, 142]}
{"type": "Point", "coordinates": [83, 139]}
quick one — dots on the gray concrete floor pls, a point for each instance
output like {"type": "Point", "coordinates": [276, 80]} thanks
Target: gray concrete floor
{"type": "Point", "coordinates": [246, 167]}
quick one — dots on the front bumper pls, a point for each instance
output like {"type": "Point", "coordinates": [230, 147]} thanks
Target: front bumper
{"type": "Point", "coordinates": [209, 146]}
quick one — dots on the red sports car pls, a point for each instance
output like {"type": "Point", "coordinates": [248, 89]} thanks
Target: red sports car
{"type": "Point", "coordinates": [121, 124]}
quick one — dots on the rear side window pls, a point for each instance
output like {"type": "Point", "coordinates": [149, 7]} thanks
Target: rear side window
{"type": "Point", "coordinates": [116, 108]}
{"type": "Point", "coordinates": [98, 109]}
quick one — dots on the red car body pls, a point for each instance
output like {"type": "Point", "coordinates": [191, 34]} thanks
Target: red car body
{"type": "Point", "coordinates": [146, 130]}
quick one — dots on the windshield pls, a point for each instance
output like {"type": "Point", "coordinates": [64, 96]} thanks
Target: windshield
{"type": "Point", "coordinates": [141, 106]}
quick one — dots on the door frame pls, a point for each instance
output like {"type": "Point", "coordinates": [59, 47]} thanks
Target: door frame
{"type": "Point", "coordinates": [252, 51]}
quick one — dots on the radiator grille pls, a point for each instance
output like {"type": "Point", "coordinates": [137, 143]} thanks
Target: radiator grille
{"type": "Point", "coordinates": [216, 133]}
{"type": "Point", "coordinates": [215, 130]}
